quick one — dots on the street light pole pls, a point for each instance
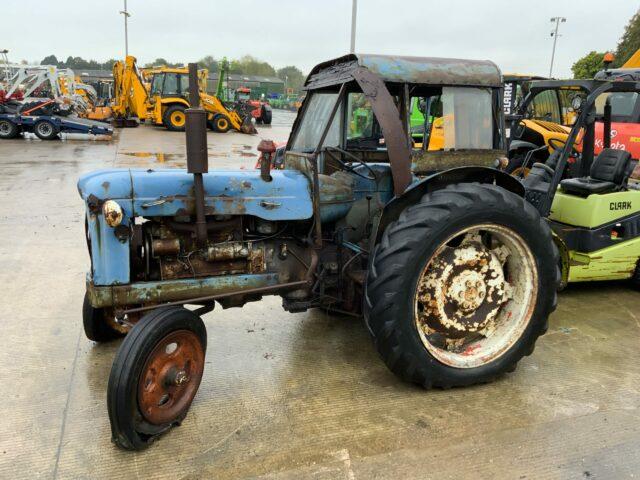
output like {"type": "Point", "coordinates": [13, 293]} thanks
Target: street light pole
{"type": "Point", "coordinates": [555, 35]}
{"type": "Point", "coordinates": [126, 32]}
{"type": "Point", "coordinates": [354, 14]}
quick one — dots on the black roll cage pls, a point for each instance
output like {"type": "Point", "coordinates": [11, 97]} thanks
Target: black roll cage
{"type": "Point", "coordinates": [586, 119]}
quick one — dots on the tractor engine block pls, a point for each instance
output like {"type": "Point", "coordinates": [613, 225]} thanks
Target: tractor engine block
{"type": "Point", "coordinates": [166, 249]}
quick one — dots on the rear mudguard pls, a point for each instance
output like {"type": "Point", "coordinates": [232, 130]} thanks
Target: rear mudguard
{"type": "Point", "coordinates": [440, 180]}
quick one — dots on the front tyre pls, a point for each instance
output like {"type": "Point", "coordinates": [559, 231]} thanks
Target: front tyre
{"type": "Point", "coordinates": [155, 376]}
{"type": "Point", "coordinates": [461, 286]}
{"type": "Point", "coordinates": [175, 118]}
{"type": "Point", "coordinates": [99, 323]}
{"type": "Point", "coordinates": [221, 123]}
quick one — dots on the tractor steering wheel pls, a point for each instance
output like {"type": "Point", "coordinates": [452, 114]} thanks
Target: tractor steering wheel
{"type": "Point", "coordinates": [355, 159]}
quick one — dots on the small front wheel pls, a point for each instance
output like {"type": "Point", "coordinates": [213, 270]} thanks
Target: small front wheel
{"type": "Point", "coordinates": [221, 123]}
{"type": "Point", "coordinates": [175, 118]}
{"type": "Point", "coordinates": [155, 376]}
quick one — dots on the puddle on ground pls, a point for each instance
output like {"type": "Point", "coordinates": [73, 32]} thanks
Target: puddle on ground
{"type": "Point", "coordinates": [243, 150]}
{"type": "Point", "coordinates": [159, 156]}
{"type": "Point", "coordinates": [179, 160]}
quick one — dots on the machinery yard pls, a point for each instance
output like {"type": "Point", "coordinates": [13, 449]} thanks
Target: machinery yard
{"type": "Point", "coordinates": [286, 396]}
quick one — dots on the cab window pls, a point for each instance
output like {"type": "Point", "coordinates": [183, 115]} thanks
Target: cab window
{"type": "Point", "coordinates": [622, 104]}
{"type": "Point", "coordinates": [316, 115]}
{"type": "Point", "coordinates": [360, 117]}
{"type": "Point", "coordinates": [156, 84]}
{"type": "Point", "coordinates": [467, 118]}
{"type": "Point", "coordinates": [171, 84]}
{"type": "Point", "coordinates": [455, 118]}
{"type": "Point", "coordinates": [426, 114]}
{"type": "Point", "coordinates": [184, 84]}
{"type": "Point", "coordinates": [545, 107]}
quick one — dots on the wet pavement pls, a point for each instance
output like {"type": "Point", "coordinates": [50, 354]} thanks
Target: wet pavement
{"type": "Point", "coordinates": [285, 396]}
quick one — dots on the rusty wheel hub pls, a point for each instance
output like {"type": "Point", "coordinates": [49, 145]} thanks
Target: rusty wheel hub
{"type": "Point", "coordinates": [474, 296]}
{"type": "Point", "coordinates": [463, 289]}
{"type": "Point", "coordinates": [170, 378]}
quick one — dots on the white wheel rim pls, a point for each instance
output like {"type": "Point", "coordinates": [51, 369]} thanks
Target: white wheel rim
{"type": "Point", "coordinates": [476, 295]}
{"type": "Point", "coordinates": [45, 129]}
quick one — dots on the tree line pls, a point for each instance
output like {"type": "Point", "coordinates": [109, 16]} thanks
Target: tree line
{"type": "Point", "coordinates": [246, 65]}
{"type": "Point", "coordinates": [591, 63]}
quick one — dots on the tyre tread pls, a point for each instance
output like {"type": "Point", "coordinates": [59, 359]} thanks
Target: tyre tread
{"type": "Point", "coordinates": [397, 249]}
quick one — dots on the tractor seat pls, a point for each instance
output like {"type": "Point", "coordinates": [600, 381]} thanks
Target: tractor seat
{"type": "Point", "coordinates": [609, 172]}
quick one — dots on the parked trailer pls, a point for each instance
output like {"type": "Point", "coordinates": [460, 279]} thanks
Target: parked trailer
{"type": "Point", "coordinates": [48, 127]}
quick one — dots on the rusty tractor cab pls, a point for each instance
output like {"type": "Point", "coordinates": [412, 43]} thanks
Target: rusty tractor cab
{"type": "Point", "coordinates": [454, 273]}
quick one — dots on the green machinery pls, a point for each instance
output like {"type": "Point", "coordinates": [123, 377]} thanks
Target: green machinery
{"type": "Point", "coordinates": [595, 216]}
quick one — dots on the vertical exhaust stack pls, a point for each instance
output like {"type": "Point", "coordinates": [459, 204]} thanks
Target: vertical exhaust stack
{"type": "Point", "coordinates": [197, 159]}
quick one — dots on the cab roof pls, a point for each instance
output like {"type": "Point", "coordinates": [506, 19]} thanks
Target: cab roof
{"type": "Point", "coordinates": [401, 69]}
{"type": "Point", "coordinates": [510, 77]}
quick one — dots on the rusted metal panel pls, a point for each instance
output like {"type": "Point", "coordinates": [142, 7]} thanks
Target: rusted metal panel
{"type": "Point", "coordinates": [173, 290]}
{"type": "Point", "coordinates": [143, 193]}
{"type": "Point", "coordinates": [401, 69]}
{"type": "Point", "coordinates": [436, 71]}
{"type": "Point", "coordinates": [431, 161]}
{"type": "Point", "coordinates": [388, 117]}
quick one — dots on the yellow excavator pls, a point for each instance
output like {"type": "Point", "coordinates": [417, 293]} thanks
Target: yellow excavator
{"type": "Point", "coordinates": [165, 99]}
{"type": "Point", "coordinates": [130, 96]}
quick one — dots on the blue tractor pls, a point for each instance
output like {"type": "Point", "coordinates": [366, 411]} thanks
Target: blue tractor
{"type": "Point", "coordinates": [453, 271]}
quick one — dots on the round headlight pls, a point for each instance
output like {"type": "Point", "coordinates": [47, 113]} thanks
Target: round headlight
{"type": "Point", "coordinates": [112, 213]}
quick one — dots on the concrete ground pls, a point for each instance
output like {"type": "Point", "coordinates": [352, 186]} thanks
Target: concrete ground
{"type": "Point", "coordinates": [285, 396]}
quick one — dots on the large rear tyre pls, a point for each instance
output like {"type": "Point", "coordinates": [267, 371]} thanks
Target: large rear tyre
{"type": "Point", "coordinates": [266, 116]}
{"type": "Point", "coordinates": [461, 286]}
{"type": "Point", "coordinates": [8, 129]}
{"type": "Point", "coordinates": [98, 325]}
{"type": "Point", "coordinates": [155, 376]}
{"type": "Point", "coordinates": [175, 118]}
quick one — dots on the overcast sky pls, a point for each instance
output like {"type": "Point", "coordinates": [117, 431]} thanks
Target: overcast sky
{"type": "Point", "coordinates": [513, 33]}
